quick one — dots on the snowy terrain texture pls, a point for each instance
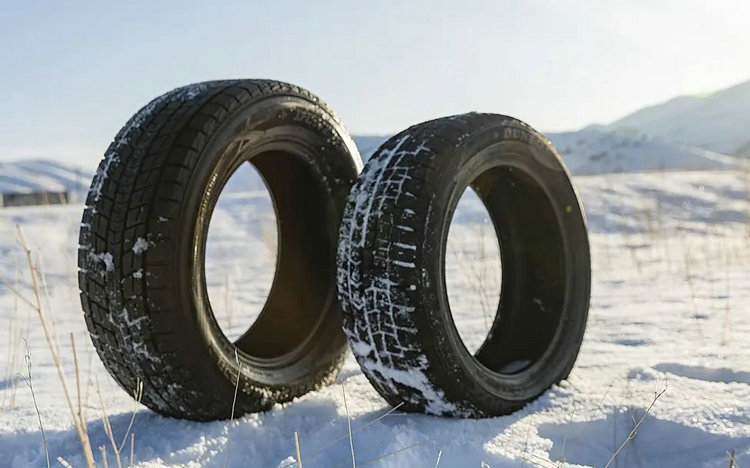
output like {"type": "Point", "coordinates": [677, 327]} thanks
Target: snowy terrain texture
{"type": "Point", "coordinates": [671, 284]}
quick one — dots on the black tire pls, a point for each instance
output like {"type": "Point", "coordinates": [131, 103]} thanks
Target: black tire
{"type": "Point", "coordinates": [142, 246]}
{"type": "Point", "coordinates": [391, 267]}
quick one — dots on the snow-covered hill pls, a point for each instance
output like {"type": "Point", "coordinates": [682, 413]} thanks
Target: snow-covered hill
{"type": "Point", "coordinates": [719, 121]}
{"type": "Point", "coordinates": [597, 151]}
{"type": "Point", "coordinates": [37, 175]}
{"type": "Point", "coordinates": [586, 152]}
{"type": "Point", "coordinates": [34, 175]}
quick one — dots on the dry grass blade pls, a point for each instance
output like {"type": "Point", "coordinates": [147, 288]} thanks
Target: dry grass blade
{"type": "Point", "coordinates": [81, 422]}
{"type": "Point", "coordinates": [47, 298]}
{"type": "Point", "coordinates": [78, 376]}
{"type": "Point", "coordinates": [103, 449]}
{"type": "Point", "coordinates": [228, 301]}
{"type": "Point", "coordinates": [732, 461]}
{"type": "Point", "coordinates": [29, 383]}
{"type": "Point", "coordinates": [296, 446]}
{"type": "Point", "coordinates": [234, 402]}
{"type": "Point", "coordinates": [137, 395]}
{"type": "Point", "coordinates": [117, 449]}
{"type": "Point", "coordinates": [631, 435]}
{"type": "Point", "coordinates": [132, 449]}
{"type": "Point", "coordinates": [547, 464]}
{"type": "Point", "coordinates": [349, 425]}
{"type": "Point", "coordinates": [82, 436]}
{"type": "Point", "coordinates": [108, 428]}
{"type": "Point", "coordinates": [15, 335]}
{"type": "Point", "coordinates": [81, 419]}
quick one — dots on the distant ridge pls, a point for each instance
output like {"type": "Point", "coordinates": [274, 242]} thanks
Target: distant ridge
{"type": "Point", "coordinates": [592, 150]}
{"type": "Point", "coordinates": [596, 150]}
{"type": "Point", "coordinates": [35, 175]}
{"type": "Point", "coordinates": [719, 121]}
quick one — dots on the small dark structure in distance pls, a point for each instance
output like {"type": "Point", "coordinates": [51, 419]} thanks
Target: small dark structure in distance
{"type": "Point", "coordinates": [34, 198]}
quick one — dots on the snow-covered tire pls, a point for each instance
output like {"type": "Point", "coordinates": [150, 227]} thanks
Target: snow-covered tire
{"type": "Point", "coordinates": [391, 267]}
{"type": "Point", "coordinates": [143, 238]}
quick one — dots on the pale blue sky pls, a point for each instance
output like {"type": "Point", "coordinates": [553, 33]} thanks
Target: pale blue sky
{"type": "Point", "coordinates": [71, 73]}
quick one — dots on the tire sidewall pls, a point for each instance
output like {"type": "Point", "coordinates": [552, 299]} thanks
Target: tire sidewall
{"type": "Point", "coordinates": [266, 121]}
{"type": "Point", "coordinates": [510, 143]}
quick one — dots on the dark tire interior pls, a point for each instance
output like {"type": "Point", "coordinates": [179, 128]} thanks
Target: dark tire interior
{"type": "Point", "coordinates": [301, 285]}
{"type": "Point", "coordinates": [533, 277]}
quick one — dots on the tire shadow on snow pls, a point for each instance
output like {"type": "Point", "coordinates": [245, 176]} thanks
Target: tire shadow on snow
{"type": "Point", "coordinates": [384, 437]}
{"type": "Point", "coordinates": [261, 439]}
{"type": "Point", "coordinates": [267, 439]}
{"type": "Point", "coordinates": [657, 442]}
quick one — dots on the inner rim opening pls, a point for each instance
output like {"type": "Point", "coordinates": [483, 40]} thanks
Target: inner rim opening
{"type": "Point", "coordinates": [529, 234]}
{"type": "Point", "coordinates": [241, 251]}
{"type": "Point", "coordinates": [473, 270]}
{"type": "Point", "coordinates": [301, 289]}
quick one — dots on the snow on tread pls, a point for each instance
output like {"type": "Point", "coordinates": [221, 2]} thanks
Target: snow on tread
{"type": "Point", "coordinates": [129, 238]}
{"type": "Point", "coordinates": [378, 319]}
{"type": "Point", "coordinates": [390, 271]}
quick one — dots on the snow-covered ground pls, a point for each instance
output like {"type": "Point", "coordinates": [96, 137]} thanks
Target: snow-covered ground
{"type": "Point", "coordinates": [671, 284]}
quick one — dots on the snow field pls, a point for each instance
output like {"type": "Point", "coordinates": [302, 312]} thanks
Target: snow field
{"type": "Point", "coordinates": [671, 281]}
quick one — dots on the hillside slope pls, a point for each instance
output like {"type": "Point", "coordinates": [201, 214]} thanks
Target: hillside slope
{"type": "Point", "coordinates": [594, 151]}
{"type": "Point", "coordinates": [718, 122]}
{"type": "Point", "coordinates": [42, 175]}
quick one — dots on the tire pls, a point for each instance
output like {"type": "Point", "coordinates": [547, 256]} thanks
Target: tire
{"type": "Point", "coordinates": [143, 236]}
{"type": "Point", "coordinates": [391, 267]}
